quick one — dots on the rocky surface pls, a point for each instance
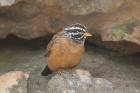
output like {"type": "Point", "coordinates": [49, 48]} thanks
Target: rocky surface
{"type": "Point", "coordinates": [122, 71]}
{"type": "Point", "coordinates": [114, 24]}
{"type": "Point", "coordinates": [14, 82]}
{"type": "Point", "coordinates": [80, 82]}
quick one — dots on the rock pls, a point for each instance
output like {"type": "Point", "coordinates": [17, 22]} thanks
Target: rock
{"type": "Point", "coordinates": [113, 23]}
{"type": "Point", "coordinates": [81, 82]}
{"type": "Point", "coordinates": [14, 82]}
{"type": "Point", "coordinates": [6, 2]}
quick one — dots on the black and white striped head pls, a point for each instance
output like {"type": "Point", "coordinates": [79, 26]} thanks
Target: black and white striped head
{"type": "Point", "coordinates": [77, 33]}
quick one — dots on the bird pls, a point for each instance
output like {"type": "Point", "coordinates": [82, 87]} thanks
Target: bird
{"type": "Point", "coordinates": [66, 49]}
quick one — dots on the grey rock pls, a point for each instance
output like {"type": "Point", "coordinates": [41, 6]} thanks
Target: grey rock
{"type": "Point", "coordinates": [80, 82]}
{"type": "Point", "coordinates": [121, 70]}
{"type": "Point", "coordinates": [84, 7]}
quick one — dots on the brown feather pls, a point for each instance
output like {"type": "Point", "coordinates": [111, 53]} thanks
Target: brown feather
{"type": "Point", "coordinates": [65, 54]}
{"type": "Point", "coordinates": [55, 39]}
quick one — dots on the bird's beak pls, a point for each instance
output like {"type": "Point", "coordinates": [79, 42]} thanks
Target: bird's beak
{"type": "Point", "coordinates": [87, 34]}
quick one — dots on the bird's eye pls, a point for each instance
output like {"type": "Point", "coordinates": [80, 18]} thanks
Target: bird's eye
{"type": "Point", "coordinates": [80, 33]}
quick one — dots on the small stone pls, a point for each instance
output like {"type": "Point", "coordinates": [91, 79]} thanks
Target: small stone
{"type": "Point", "coordinates": [14, 82]}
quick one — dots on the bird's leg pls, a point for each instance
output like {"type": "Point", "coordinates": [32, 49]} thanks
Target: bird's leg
{"type": "Point", "coordinates": [72, 70]}
{"type": "Point", "coordinates": [60, 72]}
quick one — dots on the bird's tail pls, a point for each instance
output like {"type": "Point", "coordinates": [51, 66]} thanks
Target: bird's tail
{"type": "Point", "coordinates": [46, 71]}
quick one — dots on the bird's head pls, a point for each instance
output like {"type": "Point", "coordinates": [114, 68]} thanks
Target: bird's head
{"type": "Point", "coordinates": [77, 33]}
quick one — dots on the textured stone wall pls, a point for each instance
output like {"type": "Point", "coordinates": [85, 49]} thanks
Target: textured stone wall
{"type": "Point", "coordinates": [115, 24]}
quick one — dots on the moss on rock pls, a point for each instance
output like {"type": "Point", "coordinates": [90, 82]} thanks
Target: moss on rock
{"type": "Point", "coordinates": [119, 29]}
{"type": "Point", "coordinates": [126, 27]}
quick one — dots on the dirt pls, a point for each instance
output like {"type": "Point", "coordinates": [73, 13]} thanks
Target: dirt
{"type": "Point", "coordinates": [29, 56]}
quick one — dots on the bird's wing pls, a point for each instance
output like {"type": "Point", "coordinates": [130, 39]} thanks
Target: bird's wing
{"type": "Point", "coordinates": [54, 40]}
